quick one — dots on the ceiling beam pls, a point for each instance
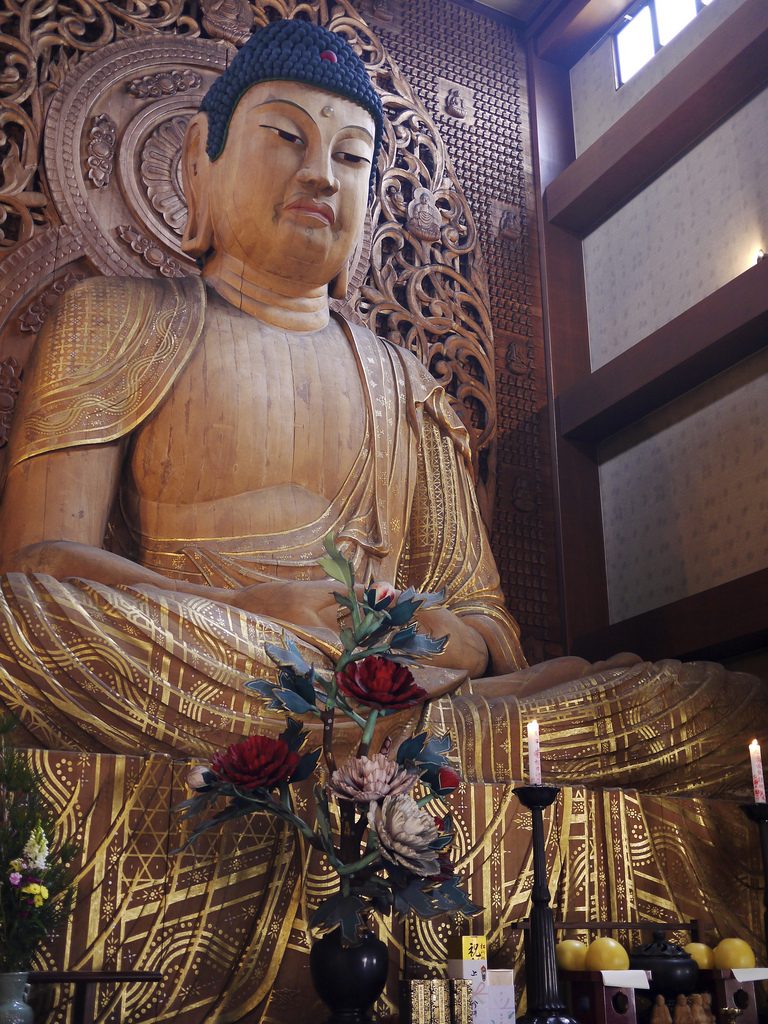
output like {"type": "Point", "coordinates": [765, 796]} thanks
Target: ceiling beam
{"type": "Point", "coordinates": [576, 29]}
{"type": "Point", "coordinates": [716, 333]}
{"type": "Point", "coordinates": [721, 622]}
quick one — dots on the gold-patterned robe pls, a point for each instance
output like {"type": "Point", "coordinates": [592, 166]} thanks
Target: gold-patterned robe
{"type": "Point", "coordinates": [135, 670]}
{"type": "Point", "coordinates": [93, 667]}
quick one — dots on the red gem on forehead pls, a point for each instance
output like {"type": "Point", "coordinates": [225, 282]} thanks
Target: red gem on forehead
{"type": "Point", "coordinates": [329, 55]}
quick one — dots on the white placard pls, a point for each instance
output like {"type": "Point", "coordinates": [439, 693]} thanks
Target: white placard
{"type": "Point", "coordinates": [750, 973]}
{"type": "Point", "coordinates": [625, 979]}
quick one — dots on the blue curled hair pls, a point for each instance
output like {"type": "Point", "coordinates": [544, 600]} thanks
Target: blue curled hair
{"type": "Point", "coordinates": [291, 51]}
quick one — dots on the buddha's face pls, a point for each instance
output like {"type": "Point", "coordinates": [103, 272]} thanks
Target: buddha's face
{"type": "Point", "coordinates": [289, 192]}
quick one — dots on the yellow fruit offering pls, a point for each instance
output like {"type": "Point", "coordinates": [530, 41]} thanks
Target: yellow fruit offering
{"type": "Point", "coordinates": [571, 955]}
{"type": "Point", "coordinates": [702, 954]}
{"type": "Point", "coordinates": [732, 953]}
{"type": "Point", "coordinates": [606, 954]}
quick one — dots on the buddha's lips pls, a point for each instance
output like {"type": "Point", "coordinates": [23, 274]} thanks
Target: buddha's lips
{"type": "Point", "coordinates": [308, 206]}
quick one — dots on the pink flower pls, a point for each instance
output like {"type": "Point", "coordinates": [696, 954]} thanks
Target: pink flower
{"type": "Point", "coordinates": [370, 778]}
{"type": "Point", "coordinates": [383, 591]}
{"type": "Point", "coordinates": [14, 878]}
{"type": "Point", "coordinates": [196, 779]}
{"type": "Point", "coordinates": [405, 832]}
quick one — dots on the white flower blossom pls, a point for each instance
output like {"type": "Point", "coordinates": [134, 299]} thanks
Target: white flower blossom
{"type": "Point", "coordinates": [405, 832]}
{"type": "Point", "coordinates": [36, 850]}
{"type": "Point", "coordinates": [196, 779]}
{"type": "Point", "coordinates": [371, 778]}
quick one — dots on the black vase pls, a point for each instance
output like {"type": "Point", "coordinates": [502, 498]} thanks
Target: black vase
{"type": "Point", "coordinates": [349, 979]}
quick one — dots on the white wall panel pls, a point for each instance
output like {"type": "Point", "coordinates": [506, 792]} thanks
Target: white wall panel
{"type": "Point", "coordinates": [685, 493]}
{"type": "Point", "coordinates": [691, 231]}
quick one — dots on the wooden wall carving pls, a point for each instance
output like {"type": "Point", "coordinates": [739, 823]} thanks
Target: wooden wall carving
{"type": "Point", "coordinates": [448, 46]}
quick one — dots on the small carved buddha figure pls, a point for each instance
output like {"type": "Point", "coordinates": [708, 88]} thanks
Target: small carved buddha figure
{"type": "Point", "coordinates": [509, 225]}
{"type": "Point", "coordinates": [424, 220]}
{"type": "Point", "coordinates": [697, 1009]}
{"type": "Point", "coordinates": [660, 1013]}
{"type": "Point", "coordinates": [683, 1013]}
{"type": "Point", "coordinates": [706, 1004]}
{"type": "Point", "coordinates": [455, 104]}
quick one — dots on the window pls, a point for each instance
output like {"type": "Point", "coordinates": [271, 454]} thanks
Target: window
{"type": "Point", "coordinates": [645, 28]}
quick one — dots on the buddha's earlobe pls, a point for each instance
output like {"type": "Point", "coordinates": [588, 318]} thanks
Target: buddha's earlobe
{"type": "Point", "coordinates": [196, 170]}
{"type": "Point", "coordinates": [339, 285]}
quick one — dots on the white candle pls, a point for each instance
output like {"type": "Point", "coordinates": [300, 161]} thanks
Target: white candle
{"type": "Point", "coordinates": [758, 780]}
{"type": "Point", "coordinates": [534, 754]}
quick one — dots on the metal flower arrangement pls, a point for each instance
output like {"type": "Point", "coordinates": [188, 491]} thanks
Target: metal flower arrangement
{"type": "Point", "coordinates": [389, 852]}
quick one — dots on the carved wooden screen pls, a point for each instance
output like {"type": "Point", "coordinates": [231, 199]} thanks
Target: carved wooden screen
{"type": "Point", "coordinates": [95, 99]}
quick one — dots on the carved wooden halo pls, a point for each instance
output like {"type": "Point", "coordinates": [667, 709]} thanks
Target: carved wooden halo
{"type": "Point", "coordinates": [121, 230]}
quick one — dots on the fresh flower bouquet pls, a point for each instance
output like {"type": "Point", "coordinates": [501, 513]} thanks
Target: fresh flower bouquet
{"type": "Point", "coordinates": [390, 853]}
{"type": "Point", "coordinates": [35, 886]}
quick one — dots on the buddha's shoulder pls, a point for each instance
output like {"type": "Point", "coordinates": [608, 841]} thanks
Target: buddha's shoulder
{"type": "Point", "coordinates": [426, 392]}
{"type": "Point", "coordinates": [104, 320]}
{"type": "Point", "coordinates": [109, 294]}
{"type": "Point", "coordinates": [420, 380]}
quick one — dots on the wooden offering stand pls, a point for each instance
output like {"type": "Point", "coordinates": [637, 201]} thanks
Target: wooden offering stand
{"type": "Point", "coordinates": [591, 1001]}
{"type": "Point", "coordinates": [84, 982]}
{"type": "Point", "coordinates": [728, 993]}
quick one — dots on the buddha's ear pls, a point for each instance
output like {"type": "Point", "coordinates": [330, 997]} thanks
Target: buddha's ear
{"type": "Point", "coordinates": [196, 174]}
{"type": "Point", "coordinates": [339, 285]}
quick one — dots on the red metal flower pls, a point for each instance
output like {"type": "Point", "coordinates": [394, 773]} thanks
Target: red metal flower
{"type": "Point", "coordinates": [447, 780]}
{"type": "Point", "coordinates": [255, 763]}
{"type": "Point", "coordinates": [381, 683]}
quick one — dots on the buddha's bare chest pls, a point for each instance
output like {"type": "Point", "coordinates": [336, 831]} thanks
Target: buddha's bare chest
{"type": "Point", "coordinates": [255, 409]}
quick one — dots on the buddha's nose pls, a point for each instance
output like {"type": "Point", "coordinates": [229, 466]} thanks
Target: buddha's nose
{"type": "Point", "coordinates": [317, 172]}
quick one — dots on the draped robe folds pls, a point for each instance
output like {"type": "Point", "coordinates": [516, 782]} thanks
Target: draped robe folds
{"type": "Point", "coordinates": [120, 670]}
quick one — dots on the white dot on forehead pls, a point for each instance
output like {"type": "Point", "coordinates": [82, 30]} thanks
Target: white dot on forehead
{"type": "Point", "coordinates": [327, 111]}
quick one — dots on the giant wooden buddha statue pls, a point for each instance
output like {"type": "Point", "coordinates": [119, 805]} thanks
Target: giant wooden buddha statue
{"type": "Point", "coordinates": [214, 430]}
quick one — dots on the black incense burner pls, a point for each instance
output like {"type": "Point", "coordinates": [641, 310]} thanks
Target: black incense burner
{"type": "Point", "coordinates": [673, 971]}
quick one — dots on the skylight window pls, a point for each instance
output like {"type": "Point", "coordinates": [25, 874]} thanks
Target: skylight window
{"type": "Point", "coordinates": [635, 44]}
{"type": "Point", "coordinates": [645, 28]}
{"type": "Point", "coordinates": [672, 16]}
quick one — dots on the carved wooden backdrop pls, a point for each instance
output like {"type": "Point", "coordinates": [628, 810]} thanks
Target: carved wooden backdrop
{"type": "Point", "coordinates": [94, 99]}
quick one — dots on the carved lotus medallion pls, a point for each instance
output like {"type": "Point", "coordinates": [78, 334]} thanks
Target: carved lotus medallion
{"type": "Point", "coordinates": [161, 172]}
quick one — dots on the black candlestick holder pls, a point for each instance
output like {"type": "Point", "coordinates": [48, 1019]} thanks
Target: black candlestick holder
{"type": "Point", "coordinates": [544, 1003]}
{"type": "Point", "coordinates": [759, 814]}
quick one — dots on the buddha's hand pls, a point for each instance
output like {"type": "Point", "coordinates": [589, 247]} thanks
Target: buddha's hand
{"type": "Point", "coordinates": [297, 602]}
{"type": "Point", "coordinates": [311, 604]}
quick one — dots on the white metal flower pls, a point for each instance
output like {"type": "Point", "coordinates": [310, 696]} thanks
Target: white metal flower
{"type": "Point", "coordinates": [363, 779]}
{"type": "Point", "coordinates": [405, 832]}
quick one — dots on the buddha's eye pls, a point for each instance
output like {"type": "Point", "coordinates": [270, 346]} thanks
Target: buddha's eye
{"type": "Point", "coordinates": [351, 158]}
{"type": "Point", "coordinates": [296, 140]}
